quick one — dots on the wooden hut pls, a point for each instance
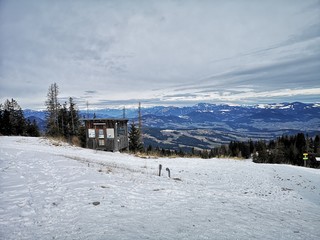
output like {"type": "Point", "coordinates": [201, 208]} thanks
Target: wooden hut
{"type": "Point", "coordinates": [107, 134]}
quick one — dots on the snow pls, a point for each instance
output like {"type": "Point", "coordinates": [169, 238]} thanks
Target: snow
{"type": "Point", "coordinates": [167, 131]}
{"type": "Point", "coordinates": [274, 106]}
{"type": "Point", "coordinates": [316, 105]}
{"type": "Point", "coordinates": [47, 191]}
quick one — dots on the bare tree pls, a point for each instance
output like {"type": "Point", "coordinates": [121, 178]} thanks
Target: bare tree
{"type": "Point", "coordinates": [53, 106]}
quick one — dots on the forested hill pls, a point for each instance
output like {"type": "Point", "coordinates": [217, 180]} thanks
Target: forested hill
{"type": "Point", "coordinates": [207, 125]}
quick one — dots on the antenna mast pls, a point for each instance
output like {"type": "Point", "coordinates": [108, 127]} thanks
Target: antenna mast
{"type": "Point", "coordinates": [140, 122]}
{"type": "Point", "coordinates": [87, 109]}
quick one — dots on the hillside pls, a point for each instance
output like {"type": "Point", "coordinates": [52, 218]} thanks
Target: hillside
{"type": "Point", "coordinates": [50, 190]}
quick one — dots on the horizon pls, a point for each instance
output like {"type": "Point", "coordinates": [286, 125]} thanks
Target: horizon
{"type": "Point", "coordinates": [171, 52]}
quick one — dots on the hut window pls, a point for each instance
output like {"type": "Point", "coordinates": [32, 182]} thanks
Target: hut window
{"type": "Point", "coordinates": [110, 132]}
{"type": "Point", "coordinates": [91, 133]}
{"type": "Point", "coordinates": [101, 142]}
{"type": "Point", "coordinates": [101, 134]}
{"type": "Point", "coordinates": [121, 131]}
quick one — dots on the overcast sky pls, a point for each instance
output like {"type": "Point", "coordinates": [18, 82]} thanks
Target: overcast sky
{"type": "Point", "coordinates": [175, 52]}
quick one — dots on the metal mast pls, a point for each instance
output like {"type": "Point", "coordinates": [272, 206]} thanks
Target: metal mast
{"type": "Point", "coordinates": [140, 123]}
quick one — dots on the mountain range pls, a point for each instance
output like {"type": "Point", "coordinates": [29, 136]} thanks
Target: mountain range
{"type": "Point", "coordinates": [208, 125]}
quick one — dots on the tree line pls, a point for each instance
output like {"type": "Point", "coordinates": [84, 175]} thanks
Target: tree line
{"type": "Point", "coordinates": [63, 120]}
{"type": "Point", "coordinates": [13, 122]}
{"type": "Point", "coordinates": [283, 150]}
{"type": "Point", "coordinates": [289, 150]}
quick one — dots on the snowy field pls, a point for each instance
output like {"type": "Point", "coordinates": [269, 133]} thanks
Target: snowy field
{"type": "Point", "coordinates": [55, 191]}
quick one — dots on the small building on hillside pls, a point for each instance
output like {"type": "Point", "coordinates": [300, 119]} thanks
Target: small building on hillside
{"type": "Point", "coordinates": [107, 134]}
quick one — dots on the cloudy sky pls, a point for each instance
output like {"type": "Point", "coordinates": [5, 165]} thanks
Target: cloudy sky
{"type": "Point", "coordinates": [169, 52]}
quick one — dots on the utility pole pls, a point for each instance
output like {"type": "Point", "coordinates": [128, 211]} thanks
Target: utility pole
{"type": "Point", "coordinates": [87, 110]}
{"type": "Point", "coordinates": [140, 123]}
{"type": "Point", "coordinates": [124, 112]}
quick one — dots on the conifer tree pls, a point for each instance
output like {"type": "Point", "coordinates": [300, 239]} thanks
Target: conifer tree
{"type": "Point", "coordinates": [261, 156]}
{"type": "Point", "coordinates": [300, 145]}
{"type": "Point", "coordinates": [64, 127]}
{"type": "Point", "coordinates": [135, 144]}
{"type": "Point", "coordinates": [12, 119]}
{"type": "Point", "coordinates": [279, 153]}
{"type": "Point", "coordinates": [316, 145]}
{"type": "Point", "coordinates": [32, 129]}
{"type": "Point", "coordinates": [6, 125]}
{"type": "Point", "coordinates": [13, 122]}
{"type": "Point", "coordinates": [74, 119]}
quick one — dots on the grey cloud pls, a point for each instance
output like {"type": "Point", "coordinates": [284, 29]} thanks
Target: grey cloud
{"type": "Point", "coordinates": [281, 66]}
{"type": "Point", "coordinates": [300, 72]}
{"type": "Point", "coordinates": [125, 102]}
{"type": "Point", "coordinates": [180, 95]}
{"type": "Point", "coordinates": [126, 49]}
{"type": "Point", "coordinates": [311, 32]}
{"type": "Point", "coordinates": [90, 92]}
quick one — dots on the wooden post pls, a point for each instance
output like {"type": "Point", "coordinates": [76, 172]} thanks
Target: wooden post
{"type": "Point", "coordinates": [95, 137]}
{"type": "Point", "coordinates": [127, 136]}
{"type": "Point", "coordinates": [160, 167]}
{"type": "Point", "coordinates": [87, 133]}
{"type": "Point", "coordinates": [168, 170]}
{"type": "Point", "coordinates": [115, 140]}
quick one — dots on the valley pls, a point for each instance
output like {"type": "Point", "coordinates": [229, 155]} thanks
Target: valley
{"type": "Point", "coordinates": [205, 126]}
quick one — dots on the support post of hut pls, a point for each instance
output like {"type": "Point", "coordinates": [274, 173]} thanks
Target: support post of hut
{"type": "Point", "coordinates": [115, 139]}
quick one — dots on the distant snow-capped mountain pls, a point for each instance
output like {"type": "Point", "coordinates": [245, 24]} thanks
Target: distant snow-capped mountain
{"type": "Point", "coordinates": [207, 125]}
{"type": "Point", "coordinates": [183, 112]}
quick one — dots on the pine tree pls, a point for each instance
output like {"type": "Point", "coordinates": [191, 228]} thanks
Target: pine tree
{"type": "Point", "coordinates": [12, 119]}
{"type": "Point", "coordinates": [74, 119]}
{"type": "Point", "coordinates": [69, 120]}
{"type": "Point", "coordinates": [64, 128]}
{"type": "Point", "coordinates": [149, 149]}
{"type": "Point", "coordinates": [300, 144]}
{"type": "Point", "coordinates": [181, 153]}
{"type": "Point", "coordinates": [6, 127]}
{"type": "Point", "coordinates": [213, 153]}
{"type": "Point", "coordinates": [316, 145]}
{"type": "Point", "coordinates": [261, 155]}
{"type": "Point", "coordinates": [204, 154]}
{"type": "Point", "coordinates": [135, 144]}
{"type": "Point", "coordinates": [13, 122]}
{"type": "Point", "coordinates": [245, 150]}
{"type": "Point", "coordinates": [279, 153]}
{"type": "Point", "coordinates": [82, 136]}
{"type": "Point", "coordinates": [32, 129]}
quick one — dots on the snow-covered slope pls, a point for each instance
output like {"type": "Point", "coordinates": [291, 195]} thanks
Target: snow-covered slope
{"type": "Point", "coordinates": [53, 191]}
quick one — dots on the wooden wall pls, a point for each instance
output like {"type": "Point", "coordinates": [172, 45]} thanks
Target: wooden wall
{"type": "Point", "coordinates": [107, 134]}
